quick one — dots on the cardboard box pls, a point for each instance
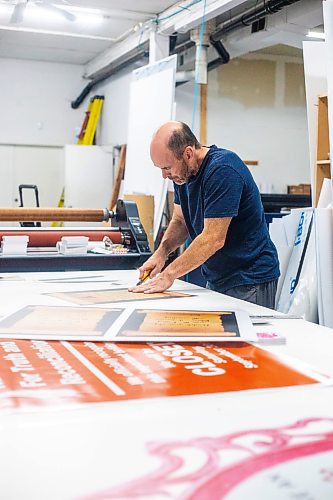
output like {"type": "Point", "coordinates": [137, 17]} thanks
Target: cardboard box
{"type": "Point", "coordinates": [299, 189]}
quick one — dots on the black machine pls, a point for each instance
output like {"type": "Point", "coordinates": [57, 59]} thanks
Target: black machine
{"type": "Point", "coordinates": [274, 203]}
{"type": "Point", "coordinates": [128, 250]}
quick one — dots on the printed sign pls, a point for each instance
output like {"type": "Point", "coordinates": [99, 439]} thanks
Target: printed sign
{"type": "Point", "coordinates": [126, 325]}
{"type": "Point", "coordinates": [35, 373]}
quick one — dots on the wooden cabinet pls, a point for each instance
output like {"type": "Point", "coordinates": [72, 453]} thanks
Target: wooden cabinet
{"type": "Point", "coordinates": [323, 165]}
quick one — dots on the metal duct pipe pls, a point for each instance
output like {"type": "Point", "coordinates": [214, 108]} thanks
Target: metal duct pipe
{"type": "Point", "coordinates": [211, 65]}
{"type": "Point", "coordinates": [201, 53]}
{"type": "Point", "coordinates": [112, 71]}
{"type": "Point", "coordinates": [104, 76]}
{"type": "Point", "coordinates": [253, 14]}
{"type": "Point", "coordinates": [250, 16]}
{"type": "Point", "coordinates": [201, 61]}
{"type": "Point", "coordinates": [221, 50]}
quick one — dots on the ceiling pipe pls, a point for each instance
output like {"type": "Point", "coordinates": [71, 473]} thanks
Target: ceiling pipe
{"type": "Point", "coordinates": [267, 7]}
{"type": "Point", "coordinates": [246, 19]}
{"type": "Point", "coordinates": [221, 50]}
{"type": "Point", "coordinates": [253, 14]}
{"type": "Point", "coordinates": [142, 53]}
{"type": "Point", "coordinates": [183, 47]}
{"type": "Point", "coordinates": [201, 41]}
{"type": "Point", "coordinates": [107, 74]}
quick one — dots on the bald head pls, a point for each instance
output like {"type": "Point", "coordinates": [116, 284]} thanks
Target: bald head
{"type": "Point", "coordinates": [176, 151]}
{"type": "Point", "coordinates": [165, 130]}
{"type": "Point", "coordinates": [175, 136]}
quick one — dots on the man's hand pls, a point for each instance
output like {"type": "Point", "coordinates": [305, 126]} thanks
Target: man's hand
{"type": "Point", "coordinates": [158, 284]}
{"type": "Point", "coordinates": [174, 236]}
{"type": "Point", "coordinates": [153, 266]}
{"type": "Point", "coordinates": [202, 247]}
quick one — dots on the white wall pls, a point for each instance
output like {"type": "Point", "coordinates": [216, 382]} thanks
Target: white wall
{"type": "Point", "coordinates": [256, 107]}
{"type": "Point", "coordinates": [42, 166]}
{"type": "Point", "coordinates": [113, 125]}
{"type": "Point", "coordinates": [36, 122]}
{"type": "Point", "coordinates": [35, 102]}
{"type": "Point", "coordinates": [249, 111]}
{"type": "Point", "coordinates": [88, 178]}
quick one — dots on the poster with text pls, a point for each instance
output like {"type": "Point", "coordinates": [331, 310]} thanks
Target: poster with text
{"type": "Point", "coordinates": [186, 325]}
{"type": "Point", "coordinates": [126, 324]}
{"type": "Point", "coordinates": [39, 373]}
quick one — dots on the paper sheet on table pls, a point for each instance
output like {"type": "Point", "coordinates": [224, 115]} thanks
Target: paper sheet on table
{"type": "Point", "coordinates": [126, 324]}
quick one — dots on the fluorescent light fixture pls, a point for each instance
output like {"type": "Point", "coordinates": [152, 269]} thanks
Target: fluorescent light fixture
{"type": "Point", "coordinates": [35, 12]}
{"type": "Point", "coordinates": [316, 34]}
{"type": "Point", "coordinates": [56, 33]}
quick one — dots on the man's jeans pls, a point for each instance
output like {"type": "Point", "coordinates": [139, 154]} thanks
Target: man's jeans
{"type": "Point", "coordinates": [262, 294]}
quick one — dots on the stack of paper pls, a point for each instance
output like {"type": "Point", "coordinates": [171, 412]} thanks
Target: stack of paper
{"type": "Point", "coordinates": [73, 245]}
{"type": "Point", "coordinates": [14, 245]}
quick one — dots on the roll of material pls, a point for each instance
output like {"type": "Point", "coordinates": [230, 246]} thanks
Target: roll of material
{"type": "Point", "coordinates": [55, 214]}
{"type": "Point", "coordinates": [95, 244]}
{"type": "Point", "coordinates": [14, 245]}
{"type": "Point", "coordinates": [49, 238]}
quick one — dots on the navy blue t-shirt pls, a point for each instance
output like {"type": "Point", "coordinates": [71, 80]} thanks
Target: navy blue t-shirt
{"type": "Point", "coordinates": [224, 187]}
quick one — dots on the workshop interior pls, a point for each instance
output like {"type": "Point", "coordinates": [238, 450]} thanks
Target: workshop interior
{"type": "Point", "coordinates": [118, 380]}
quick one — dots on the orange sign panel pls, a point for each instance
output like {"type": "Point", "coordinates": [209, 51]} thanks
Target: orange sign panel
{"type": "Point", "coordinates": [50, 373]}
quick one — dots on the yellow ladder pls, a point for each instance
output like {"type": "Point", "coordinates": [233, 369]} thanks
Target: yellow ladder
{"type": "Point", "coordinates": [88, 130]}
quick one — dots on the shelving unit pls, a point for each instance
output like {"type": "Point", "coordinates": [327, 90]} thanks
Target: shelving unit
{"type": "Point", "coordinates": [323, 163]}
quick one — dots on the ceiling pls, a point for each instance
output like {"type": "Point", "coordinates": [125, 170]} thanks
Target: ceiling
{"type": "Point", "coordinates": [45, 34]}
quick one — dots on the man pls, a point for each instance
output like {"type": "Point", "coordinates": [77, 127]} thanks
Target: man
{"type": "Point", "coordinates": [217, 205]}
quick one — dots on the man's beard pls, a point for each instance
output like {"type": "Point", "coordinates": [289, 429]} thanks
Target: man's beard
{"type": "Point", "coordinates": [188, 173]}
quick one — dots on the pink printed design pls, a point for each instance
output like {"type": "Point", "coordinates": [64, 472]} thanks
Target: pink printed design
{"type": "Point", "coordinates": [225, 462]}
{"type": "Point", "coordinates": [327, 475]}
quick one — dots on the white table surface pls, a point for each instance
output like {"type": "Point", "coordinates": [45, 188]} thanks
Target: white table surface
{"type": "Point", "coordinates": [91, 451]}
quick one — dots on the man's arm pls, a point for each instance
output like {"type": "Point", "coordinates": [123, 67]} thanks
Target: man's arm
{"type": "Point", "coordinates": [204, 246]}
{"type": "Point", "coordinates": [175, 235]}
